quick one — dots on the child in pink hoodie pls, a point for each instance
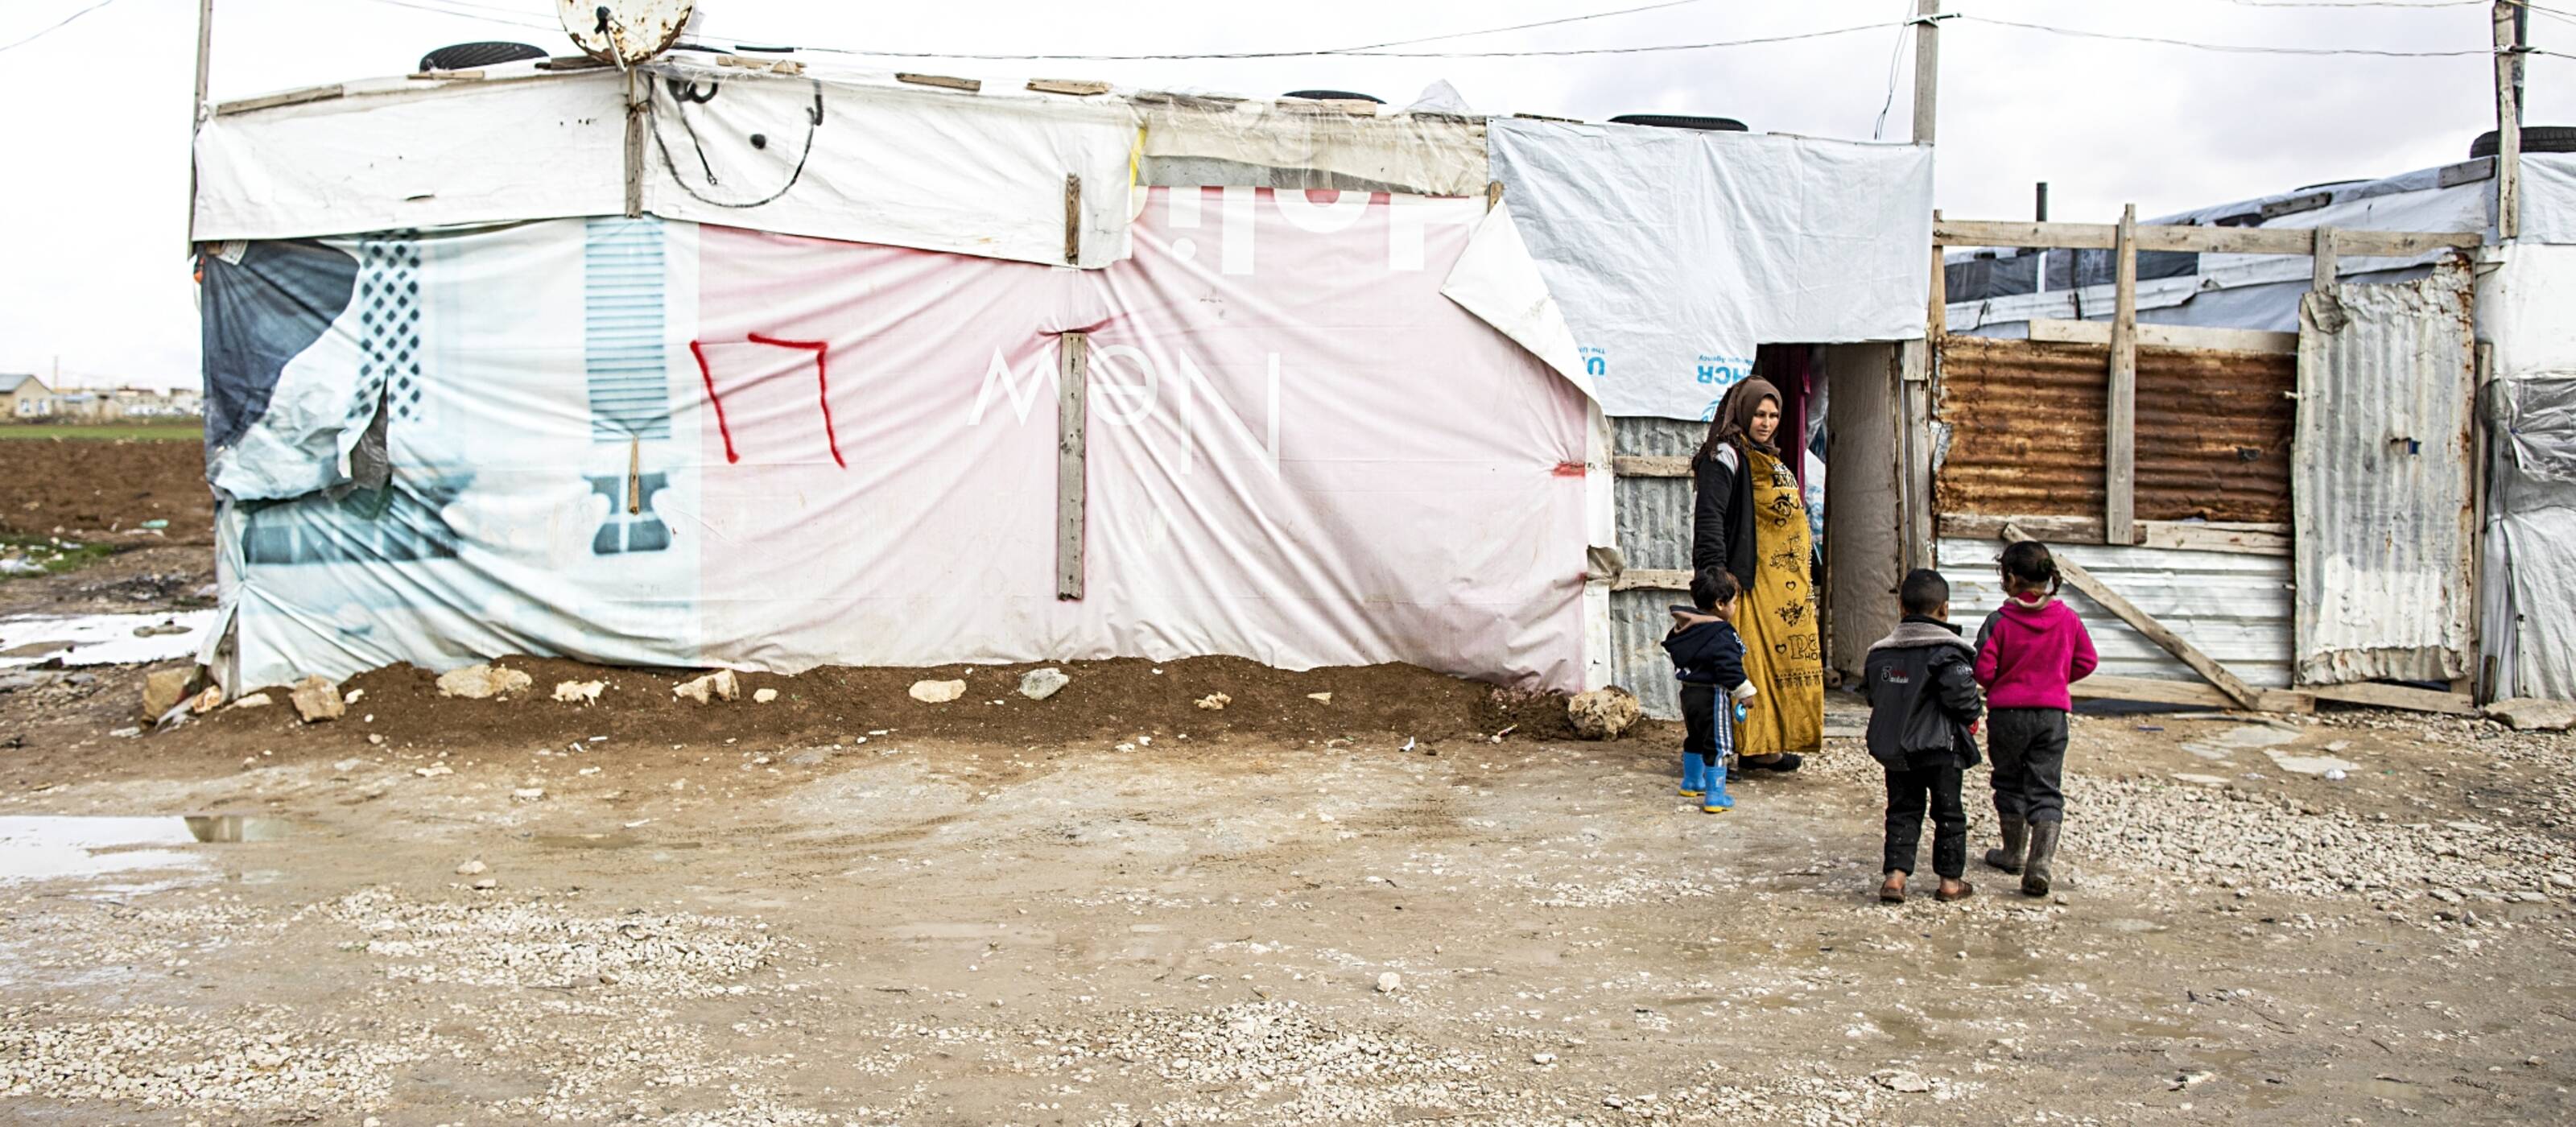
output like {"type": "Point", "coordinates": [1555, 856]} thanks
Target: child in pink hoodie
{"type": "Point", "coordinates": [2027, 654]}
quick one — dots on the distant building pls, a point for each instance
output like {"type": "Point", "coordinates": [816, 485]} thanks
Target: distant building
{"type": "Point", "coordinates": [18, 387]}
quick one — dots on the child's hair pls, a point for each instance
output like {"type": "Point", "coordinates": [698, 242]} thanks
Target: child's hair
{"type": "Point", "coordinates": [2027, 565]}
{"type": "Point", "coordinates": [1923, 591]}
{"type": "Point", "coordinates": [1713, 587]}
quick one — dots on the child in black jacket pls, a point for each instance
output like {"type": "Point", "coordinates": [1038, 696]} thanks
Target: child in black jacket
{"type": "Point", "coordinates": [1708, 659]}
{"type": "Point", "coordinates": [1923, 710]}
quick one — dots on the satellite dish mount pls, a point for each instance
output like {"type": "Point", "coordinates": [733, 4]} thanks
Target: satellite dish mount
{"type": "Point", "coordinates": [624, 32]}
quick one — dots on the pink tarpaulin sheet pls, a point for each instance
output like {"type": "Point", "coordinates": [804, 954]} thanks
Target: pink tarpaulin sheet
{"type": "Point", "coordinates": [1298, 452]}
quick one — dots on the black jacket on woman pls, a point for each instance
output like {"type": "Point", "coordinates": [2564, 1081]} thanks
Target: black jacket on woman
{"type": "Point", "coordinates": [1722, 514]}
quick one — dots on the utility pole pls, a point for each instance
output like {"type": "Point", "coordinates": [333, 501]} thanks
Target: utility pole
{"type": "Point", "coordinates": [197, 108]}
{"type": "Point", "coordinates": [1927, 68]}
{"type": "Point", "coordinates": [2509, 27]}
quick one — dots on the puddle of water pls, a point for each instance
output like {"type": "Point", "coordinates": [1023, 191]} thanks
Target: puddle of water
{"type": "Point", "coordinates": [2311, 764]}
{"type": "Point", "coordinates": [102, 639]}
{"type": "Point", "coordinates": [48, 847]}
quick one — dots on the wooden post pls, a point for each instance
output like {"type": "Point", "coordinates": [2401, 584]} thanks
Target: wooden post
{"type": "Point", "coordinates": [2324, 275]}
{"type": "Point", "coordinates": [1936, 323]}
{"type": "Point", "coordinates": [1493, 194]}
{"type": "Point", "coordinates": [638, 101]}
{"type": "Point", "coordinates": [2120, 417]}
{"type": "Point", "coordinates": [1073, 357]}
{"type": "Point", "coordinates": [2508, 82]}
{"type": "Point", "coordinates": [2208, 668]}
{"type": "Point", "coordinates": [1073, 220]}
{"type": "Point", "coordinates": [197, 109]}
{"type": "Point", "coordinates": [1927, 69]}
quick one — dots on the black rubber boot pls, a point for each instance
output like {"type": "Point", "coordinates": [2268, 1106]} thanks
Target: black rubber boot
{"type": "Point", "coordinates": [2008, 858]}
{"type": "Point", "coordinates": [2043, 849]}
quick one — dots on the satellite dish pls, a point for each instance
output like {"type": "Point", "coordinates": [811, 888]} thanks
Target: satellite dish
{"type": "Point", "coordinates": [624, 31]}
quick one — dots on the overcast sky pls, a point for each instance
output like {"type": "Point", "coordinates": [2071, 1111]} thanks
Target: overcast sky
{"type": "Point", "coordinates": [96, 130]}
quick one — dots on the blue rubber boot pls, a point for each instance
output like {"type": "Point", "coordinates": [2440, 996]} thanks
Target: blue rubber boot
{"type": "Point", "coordinates": [1716, 800]}
{"type": "Point", "coordinates": [1694, 776]}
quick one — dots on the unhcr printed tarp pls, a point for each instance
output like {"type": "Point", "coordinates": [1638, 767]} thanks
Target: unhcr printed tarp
{"type": "Point", "coordinates": [650, 442]}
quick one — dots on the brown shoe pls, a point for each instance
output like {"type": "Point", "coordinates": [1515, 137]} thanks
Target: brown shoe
{"type": "Point", "coordinates": [1947, 894]}
{"type": "Point", "coordinates": [1893, 891]}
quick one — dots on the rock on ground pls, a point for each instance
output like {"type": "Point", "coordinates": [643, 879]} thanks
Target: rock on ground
{"type": "Point", "coordinates": [255, 700]}
{"type": "Point", "coordinates": [317, 699]}
{"type": "Point", "coordinates": [1039, 684]}
{"type": "Point", "coordinates": [1603, 714]}
{"type": "Point", "coordinates": [482, 682]}
{"type": "Point", "coordinates": [719, 685]}
{"type": "Point", "coordinates": [1215, 702]}
{"type": "Point", "coordinates": [579, 692]}
{"type": "Point", "coordinates": [2532, 714]}
{"type": "Point", "coordinates": [163, 689]}
{"type": "Point", "coordinates": [763, 696]}
{"type": "Point", "coordinates": [937, 692]}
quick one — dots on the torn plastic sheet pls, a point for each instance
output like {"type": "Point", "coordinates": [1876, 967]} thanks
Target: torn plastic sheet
{"type": "Point", "coordinates": [2537, 417]}
{"type": "Point", "coordinates": [1190, 140]}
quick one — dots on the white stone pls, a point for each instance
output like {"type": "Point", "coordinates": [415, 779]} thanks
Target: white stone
{"type": "Point", "coordinates": [716, 686]}
{"type": "Point", "coordinates": [1215, 702]}
{"type": "Point", "coordinates": [937, 692]}
{"type": "Point", "coordinates": [255, 700]}
{"type": "Point", "coordinates": [1603, 714]}
{"type": "Point", "coordinates": [579, 692]}
{"type": "Point", "coordinates": [1389, 982]}
{"type": "Point", "coordinates": [1320, 698]}
{"type": "Point", "coordinates": [528, 794]}
{"type": "Point", "coordinates": [482, 682]}
{"type": "Point", "coordinates": [316, 699]}
{"type": "Point", "coordinates": [2534, 715]}
{"type": "Point", "coordinates": [1039, 684]}
{"type": "Point", "coordinates": [763, 696]}
{"type": "Point", "coordinates": [472, 869]}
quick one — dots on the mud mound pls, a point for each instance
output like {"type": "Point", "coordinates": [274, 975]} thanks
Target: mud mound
{"type": "Point", "coordinates": [93, 487]}
{"type": "Point", "coordinates": [1107, 700]}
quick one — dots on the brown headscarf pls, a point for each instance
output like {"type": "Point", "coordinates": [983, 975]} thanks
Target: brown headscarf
{"type": "Point", "coordinates": [1734, 421]}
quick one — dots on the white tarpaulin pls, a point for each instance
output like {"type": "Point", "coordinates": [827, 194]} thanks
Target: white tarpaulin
{"type": "Point", "coordinates": [641, 442]}
{"type": "Point", "coordinates": [1673, 252]}
{"type": "Point", "coordinates": [874, 162]}
{"type": "Point", "coordinates": [396, 156]}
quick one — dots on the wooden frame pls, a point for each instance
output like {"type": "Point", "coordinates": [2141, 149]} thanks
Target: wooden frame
{"type": "Point", "coordinates": [1072, 455]}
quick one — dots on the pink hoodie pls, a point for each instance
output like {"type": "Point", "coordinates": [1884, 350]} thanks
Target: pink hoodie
{"type": "Point", "coordinates": [2028, 652]}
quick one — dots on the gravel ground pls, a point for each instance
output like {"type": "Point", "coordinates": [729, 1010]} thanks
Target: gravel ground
{"type": "Point", "coordinates": [1342, 931]}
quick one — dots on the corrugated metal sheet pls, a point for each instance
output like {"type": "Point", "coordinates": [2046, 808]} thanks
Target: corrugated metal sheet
{"type": "Point", "coordinates": [2384, 505]}
{"type": "Point", "coordinates": [2025, 423]}
{"type": "Point", "coordinates": [1654, 532]}
{"type": "Point", "coordinates": [2235, 607]}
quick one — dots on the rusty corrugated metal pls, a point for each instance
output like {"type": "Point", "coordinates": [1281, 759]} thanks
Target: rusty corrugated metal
{"type": "Point", "coordinates": [1654, 523]}
{"type": "Point", "coordinates": [2385, 586]}
{"type": "Point", "coordinates": [2025, 424]}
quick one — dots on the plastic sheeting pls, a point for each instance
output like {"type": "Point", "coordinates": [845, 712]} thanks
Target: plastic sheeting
{"type": "Point", "coordinates": [649, 443]}
{"type": "Point", "coordinates": [2529, 623]}
{"type": "Point", "coordinates": [1674, 253]}
{"type": "Point", "coordinates": [1190, 141]}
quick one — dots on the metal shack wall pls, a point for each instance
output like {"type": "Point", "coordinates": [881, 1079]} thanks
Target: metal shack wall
{"type": "Point", "coordinates": [2024, 425]}
{"type": "Point", "coordinates": [2234, 606]}
{"type": "Point", "coordinates": [1654, 532]}
{"type": "Point", "coordinates": [2022, 429]}
{"type": "Point", "coordinates": [2384, 504]}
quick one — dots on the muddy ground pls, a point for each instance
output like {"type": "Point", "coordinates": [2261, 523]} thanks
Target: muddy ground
{"type": "Point", "coordinates": [848, 907]}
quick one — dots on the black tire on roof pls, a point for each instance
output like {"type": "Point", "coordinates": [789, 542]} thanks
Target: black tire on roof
{"type": "Point", "coordinates": [1682, 121]}
{"type": "Point", "coordinates": [1334, 96]}
{"type": "Point", "coordinates": [467, 56]}
{"type": "Point", "coordinates": [2535, 139]}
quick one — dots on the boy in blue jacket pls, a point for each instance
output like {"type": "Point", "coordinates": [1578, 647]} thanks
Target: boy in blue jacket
{"type": "Point", "coordinates": [1923, 710]}
{"type": "Point", "coordinates": [1708, 659]}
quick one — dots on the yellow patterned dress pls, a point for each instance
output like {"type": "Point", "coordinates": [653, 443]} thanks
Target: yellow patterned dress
{"type": "Point", "coordinates": [1778, 621]}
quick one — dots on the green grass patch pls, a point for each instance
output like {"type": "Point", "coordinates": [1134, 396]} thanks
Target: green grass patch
{"type": "Point", "coordinates": [175, 431]}
{"type": "Point", "coordinates": [27, 557]}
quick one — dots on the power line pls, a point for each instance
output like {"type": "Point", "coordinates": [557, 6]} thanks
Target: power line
{"type": "Point", "coordinates": [1345, 52]}
{"type": "Point", "coordinates": [58, 25]}
{"type": "Point", "coordinates": [2227, 48]}
{"type": "Point", "coordinates": [1895, 57]}
{"type": "Point", "coordinates": [1528, 26]}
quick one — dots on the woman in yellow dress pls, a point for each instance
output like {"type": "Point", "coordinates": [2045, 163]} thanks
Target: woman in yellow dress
{"type": "Point", "coordinates": [1750, 518]}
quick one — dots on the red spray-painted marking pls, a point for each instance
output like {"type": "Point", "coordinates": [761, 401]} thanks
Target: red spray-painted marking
{"type": "Point", "coordinates": [1569, 469]}
{"type": "Point", "coordinates": [822, 383]}
{"type": "Point", "coordinates": [710, 377]}
{"type": "Point", "coordinates": [822, 386]}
